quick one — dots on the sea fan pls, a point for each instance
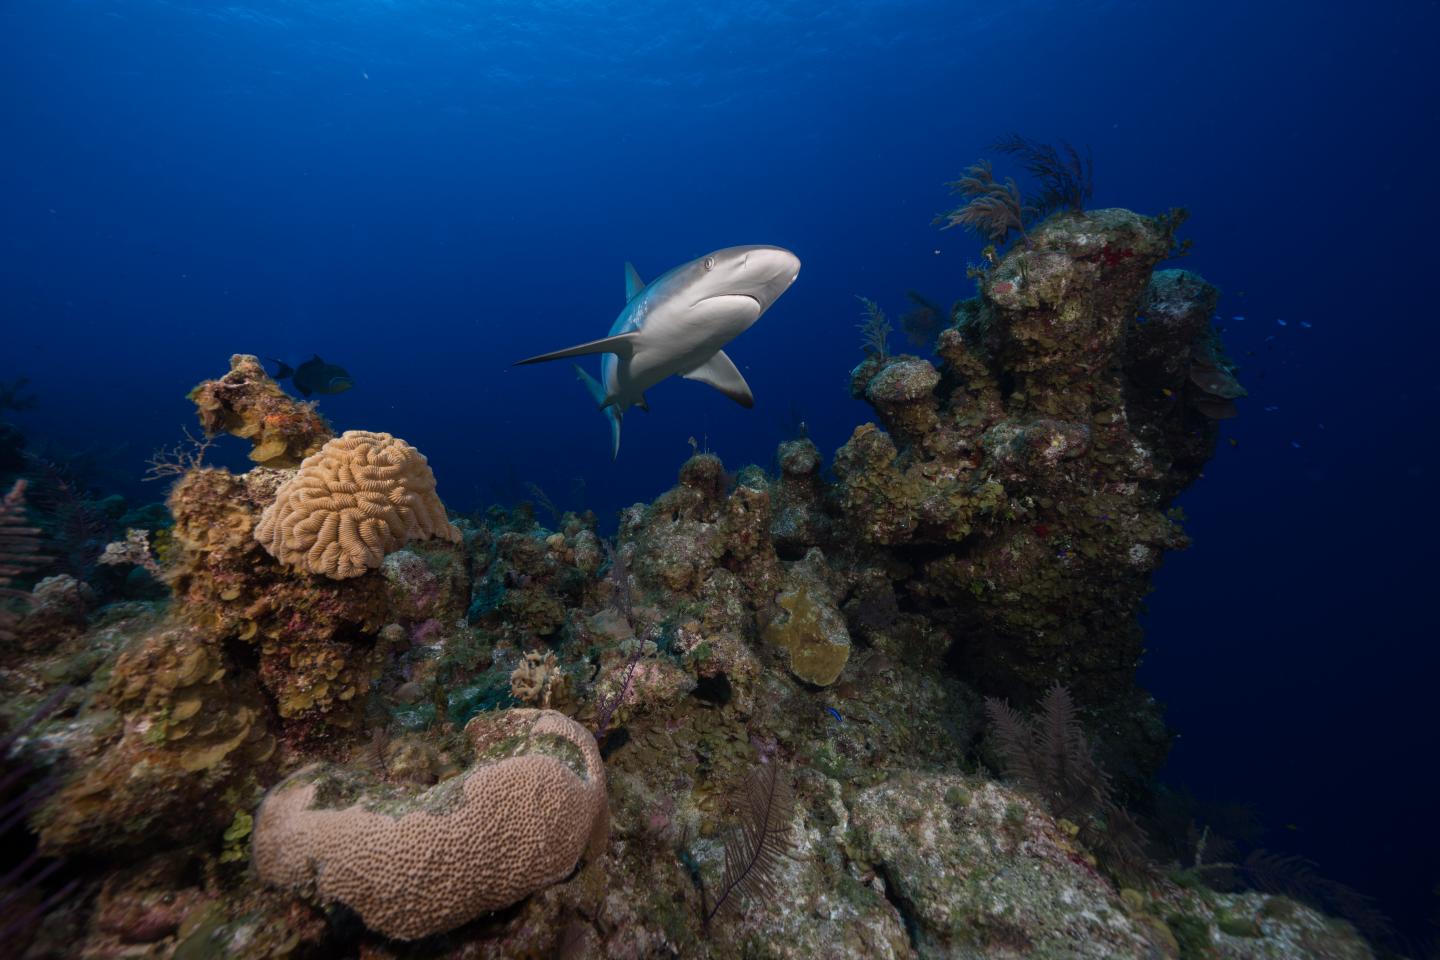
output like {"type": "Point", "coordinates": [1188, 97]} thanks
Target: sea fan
{"type": "Point", "coordinates": [19, 551]}
{"type": "Point", "coordinates": [1066, 179]}
{"type": "Point", "coordinates": [992, 209]}
{"type": "Point", "coordinates": [757, 842]}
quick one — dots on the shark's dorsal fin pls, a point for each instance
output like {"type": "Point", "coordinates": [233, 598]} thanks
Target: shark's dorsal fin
{"type": "Point", "coordinates": [721, 374]}
{"type": "Point", "coordinates": [633, 283]}
{"type": "Point", "coordinates": [622, 345]}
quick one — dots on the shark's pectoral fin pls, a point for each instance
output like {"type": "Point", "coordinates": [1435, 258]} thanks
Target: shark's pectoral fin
{"type": "Point", "coordinates": [721, 374]}
{"type": "Point", "coordinates": [622, 346]}
{"type": "Point", "coordinates": [597, 392]}
{"type": "Point", "coordinates": [633, 283]}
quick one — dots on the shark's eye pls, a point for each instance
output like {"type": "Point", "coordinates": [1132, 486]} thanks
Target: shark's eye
{"type": "Point", "coordinates": [709, 263]}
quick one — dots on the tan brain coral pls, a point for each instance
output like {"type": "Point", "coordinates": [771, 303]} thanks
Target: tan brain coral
{"type": "Point", "coordinates": [360, 497]}
{"type": "Point", "coordinates": [410, 866]}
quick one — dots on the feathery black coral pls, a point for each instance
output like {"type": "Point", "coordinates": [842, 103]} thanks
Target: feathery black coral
{"type": "Point", "coordinates": [992, 209]}
{"type": "Point", "coordinates": [1066, 179]}
{"type": "Point", "coordinates": [1049, 756]}
{"type": "Point", "coordinates": [874, 330]}
{"type": "Point", "coordinates": [757, 842]}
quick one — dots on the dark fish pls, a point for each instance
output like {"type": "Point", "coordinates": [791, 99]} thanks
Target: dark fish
{"type": "Point", "coordinates": [315, 376]}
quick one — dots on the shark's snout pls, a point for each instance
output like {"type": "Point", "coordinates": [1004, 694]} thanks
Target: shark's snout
{"type": "Point", "coordinates": [765, 272]}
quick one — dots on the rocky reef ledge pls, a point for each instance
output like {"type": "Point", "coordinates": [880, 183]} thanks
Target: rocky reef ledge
{"type": "Point", "coordinates": [887, 710]}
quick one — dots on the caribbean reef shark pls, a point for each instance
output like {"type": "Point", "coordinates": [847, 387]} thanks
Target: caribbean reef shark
{"type": "Point", "coordinates": [678, 324]}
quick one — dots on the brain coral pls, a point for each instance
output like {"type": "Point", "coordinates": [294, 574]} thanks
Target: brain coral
{"type": "Point", "coordinates": [412, 865]}
{"type": "Point", "coordinates": [361, 496]}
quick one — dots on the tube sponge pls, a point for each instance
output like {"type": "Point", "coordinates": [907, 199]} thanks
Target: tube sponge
{"type": "Point", "coordinates": [411, 866]}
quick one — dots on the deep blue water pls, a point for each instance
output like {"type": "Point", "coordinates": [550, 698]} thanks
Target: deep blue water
{"type": "Point", "coordinates": [426, 191]}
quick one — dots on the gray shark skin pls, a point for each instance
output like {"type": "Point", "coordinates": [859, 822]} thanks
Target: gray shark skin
{"type": "Point", "coordinates": [679, 323]}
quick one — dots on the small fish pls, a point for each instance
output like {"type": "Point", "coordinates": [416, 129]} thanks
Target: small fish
{"type": "Point", "coordinates": [1280, 322]}
{"type": "Point", "coordinates": [315, 376]}
{"type": "Point", "coordinates": [1167, 391]}
{"type": "Point", "coordinates": [1295, 444]}
{"type": "Point", "coordinates": [835, 713]}
{"type": "Point", "coordinates": [1306, 324]}
{"type": "Point", "coordinates": [1234, 442]}
{"type": "Point", "coordinates": [1238, 319]}
{"type": "Point", "coordinates": [1272, 408]}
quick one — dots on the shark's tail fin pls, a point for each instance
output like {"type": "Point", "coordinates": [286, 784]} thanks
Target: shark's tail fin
{"type": "Point", "coordinates": [611, 412]}
{"type": "Point", "coordinates": [285, 369]}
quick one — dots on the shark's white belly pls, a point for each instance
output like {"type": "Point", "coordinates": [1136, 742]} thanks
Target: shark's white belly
{"type": "Point", "coordinates": [673, 342]}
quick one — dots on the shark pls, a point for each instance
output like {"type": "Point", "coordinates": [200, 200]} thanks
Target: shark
{"type": "Point", "coordinates": [678, 325]}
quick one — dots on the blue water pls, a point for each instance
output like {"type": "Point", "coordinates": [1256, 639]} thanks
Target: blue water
{"type": "Point", "coordinates": [424, 192]}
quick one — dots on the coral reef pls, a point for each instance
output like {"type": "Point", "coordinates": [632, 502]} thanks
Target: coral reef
{"type": "Point", "coordinates": [326, 711]}
{"type": "Point", "coordinates": [317, 638]}
{"type": "Point", "coordinates": [175, 728]}
{"type": "Point", "coordinates": [248, 403]}
{"type": "Point", "coordinates": [516, 821]}
{"type": "Point", "coordinates": [1019, 492]}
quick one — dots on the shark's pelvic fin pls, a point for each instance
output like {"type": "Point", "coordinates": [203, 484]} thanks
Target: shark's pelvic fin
{"type": "Point", "coordinates": [622, 346]}
{"type": "Point", "coordinates": [719, 371]}
{"type": "Point", "coordinates": [643, 404]}
{"type": "Point", "coordinates": [611, 413]}
{"type": "Point", "coordinates": [591, 384]}
{"type": "Point", "coordinates": [633, 283]}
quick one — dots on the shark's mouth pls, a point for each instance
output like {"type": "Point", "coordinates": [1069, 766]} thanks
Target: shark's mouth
{"type": "Point", "coordinates": [748, 296]}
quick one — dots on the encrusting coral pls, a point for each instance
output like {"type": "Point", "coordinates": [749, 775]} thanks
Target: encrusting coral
{"type": "Point", "coordinates": [361, 496]}
{"type": "Point", "coordinates": [248, 403]}
{"type": "Point", "coordinates": [518, 820]}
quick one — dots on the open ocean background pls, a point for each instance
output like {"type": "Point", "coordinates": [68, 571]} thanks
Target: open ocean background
{"type": "Point", "coordinates": [425, 191]}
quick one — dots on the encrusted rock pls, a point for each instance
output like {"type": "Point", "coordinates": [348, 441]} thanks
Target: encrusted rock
{"type": "Point", "coordinates": [808, 626]}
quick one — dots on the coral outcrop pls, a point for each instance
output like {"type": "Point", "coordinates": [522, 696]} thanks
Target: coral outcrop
{"type": "Point", "coordinates": [317, 638]}
{"type": "Point", "coordinates": [361, 496]}
{"type": "Point", "coordinates": [516, 821]}
{"type": "Point", "coordinates": [173, 729]}
{"type": "Point", "coordinates": [1020, 490]}
{"type": "Point", "coordinates": [248, 403]}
